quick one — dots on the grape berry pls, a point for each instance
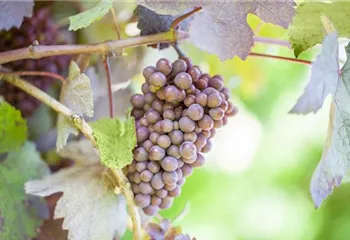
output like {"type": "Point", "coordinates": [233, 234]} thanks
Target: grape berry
{"type": "Point", "coordinates": [176, 117]}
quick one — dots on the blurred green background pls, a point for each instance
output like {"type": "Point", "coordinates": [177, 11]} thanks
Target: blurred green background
{"type": "Point", "coordinates": [255, 184]}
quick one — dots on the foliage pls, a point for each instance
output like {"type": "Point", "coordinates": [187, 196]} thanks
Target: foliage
{"type": "Point", "coordinates": [12, 14]}
{"type": "Point", "coordinates": [20, 214]}
{"type": "Point", "coordinates": [13, 128]}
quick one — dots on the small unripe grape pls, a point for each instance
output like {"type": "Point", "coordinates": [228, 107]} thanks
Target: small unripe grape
{"type": "Point", "coordinates": [152, 116]}
{"type": "Point", "coordinates": [142, 200]}
{"type": "Point", "coordinates": [199, 161]}
{"type": "Point", "coordinates": [201, 141]}
{"type": "Point", "coordinates": [178, 112]}
{"type": "Point", "coordinates": [144, 88]}
{"type": "Point", "coordinates": [157, 181]}
{"type": "Point", "coordinates": [169, 164]}
{"type": "Point", "coordinates": [174, 151]}
{"type": "Point", "coordinates": [142, 134]}
{"type": "Point", "coordinates": [171, 93]}
{"type": "Point", "coordinates": [155, 201]}
{"type": "Point", "coordinates": [218, 123]}
{"type": "Point", "coordinates": [189, 100]}
{"type": "Point", "coordinates": [176, 125]}
{"type": "Point", "coordinates": [166, 125]}
{"type": "Point", "coordinates": [191, 90]}
{"type": "Point", "coordinates": [160, 94]}
{"type": "Point", "coordinates": [198, 129]}
{"type": "Point", "coordinates": [135, 188]}
{"type": "Point", "coordinates": [170, 178]}
{"type": "Point", "coordinates": [195, 112]}
{"type": "Point", "coordinates": [137, 178]}
{"type": "Point", "coordinates": [162, 193]}
{"type": "Point", "coordinates": [140, 154]}
{"type": "Point", "coordinates": [166, 203]}
{"type": "Point", "coordinates": [170, 187]}
{"type": "Point", "coordinates": [148, 71]}
{"type": "Point", "coordinates": [153, 166]}
{"type": "Point", "coordinates": [176, 192]}
{"type": "Point", "coordinates": [164, 141]}
{"type": "Point", "coordinates": [158, 105]}
{"type": "Point", "coordinates": [186, 124]}
{"type": "Point", "coordinates": [169, 114]}
{"type": "Point", "coordinates": [164, 65]}
{"type": "Point", "coordinates": [207, 147]}
{"type": "Point", "coordinates": [217, 113]}
{"type": "Point", "coordinates": [181, 182]}
{"type": "Point", "coordinates": [157, 153]}
{"type": "Point", "coordinates": [188, 149]}
{"type": "Point", "coordinates": [147, 107]}
{"type": "Point", "coordinates": [216, 83]}
{"type": "Point", "coordinates": [183, 80]}
{"type": "Point", "coordinates": [130, 176]}
{"type": "Point", "coordinates": [150, 97]}
{"type": "Point", "coordinates": [146, 175]}
{"type": "Point", "coordinates": [151, 210]}
{"type": "Point", "coordinates": [154, 137]}
{"type": "Point", "coordinates": [201, 84]}
{"type": "Point", "coordinates": [206, 133]}
{"type": "Point", "coordinates": [143, 122]}
{"type": "Point", "coordinates": [214, 100]}
{"type": "Point", "coordinates": [192, 136]}
{"type": "Point", "coordinates": [137, 113]}
{"type": "Point", "coordinates": [206, 123]}
{"type": "Point", "coordinates": [179, 66]}
{"type": "Point", "coordinates": [153, 89]}
{"type": "Point", "coordinates": [202, 99]}
{"type": "Point", "coordinates": [176, 137]}
{"type": "Point", "coordinates": [140, 166]}
{"type": "Point", "coordinates": [186, 170]}
{"type": "Point", "coordinates": [147, 145]}
{"type": "Point", "coordinates": [132, 167]}
{"type": "Point", "coordinates": [195, 73]}
{"type": "Point", "coordinates": [137, 101]}
{"type": "Point", "coordinates": [146, 188]}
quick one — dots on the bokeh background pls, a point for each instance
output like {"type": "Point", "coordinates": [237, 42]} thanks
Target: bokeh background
{"type": "Point", "coordinates": [255, 184]}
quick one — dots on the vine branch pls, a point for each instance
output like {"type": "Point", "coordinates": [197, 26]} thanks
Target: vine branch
{"type": "Point", "coordinates": [183, 17]}
{"type": "Point", "coordinates": [109, 85]}
{"type": "Point", "coordinates": [41, 51]}
{"type": "Point", "coordinates": [295, 60]}
{"type": "Point", "coordinates": [34, 73]}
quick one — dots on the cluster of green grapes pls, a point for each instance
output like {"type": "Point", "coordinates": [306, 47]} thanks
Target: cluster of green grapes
{"type": "Point", "coordinates": [176, 117]}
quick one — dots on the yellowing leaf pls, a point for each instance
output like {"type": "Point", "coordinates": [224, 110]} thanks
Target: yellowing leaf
{"type": "Point", "coordinates": [84, 19]}
{"type": "Point", "coordinates": [90, 209]}
{"type": "Point", "coordinates": [76, 94]}
{"type": "Point", "coordinates": [324, 77]}
{"type": "Point", "coordinates": [115, 141]}
{"type": "Point", "coordinates": [13, 128]}
{"type": "Point", "coordinates": [20, 214]}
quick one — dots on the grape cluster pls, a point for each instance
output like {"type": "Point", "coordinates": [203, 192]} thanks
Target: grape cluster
{"type": "Point", "coordinates": [42, 28]}
{"type": "Point", "coordinates": [166, 230]}
{"type": "Point", "coordinates": [176, 117]}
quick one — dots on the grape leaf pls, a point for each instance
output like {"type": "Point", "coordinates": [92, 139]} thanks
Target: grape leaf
{"type": "Point", "coordinates": [76, 93]}
{"type": "Point", "coordinates": [80, 151]}
{"type": "Point", "coordinates": [13, 128]}
{"type": "Point", "coordinates": [150, 22]}
{"type": "Point", "coordinates": [115, 141]}
{"type": "Point", "coordinates": [89, 206]}
{"type": "Point", "coordinates": [307, 29]}
{"type": "Point", "coordinates": [13, 12]}
{"type": "Point", "coordinates": [221, 28]}
{"type": "Point", "coordinates": [21, 214]}
{"type": "Point", "coordinates": [333, 168]}
{"type": "Point", "coordinates": [84, 19]}
{"type": "Point", "coordinates": [324, 77]}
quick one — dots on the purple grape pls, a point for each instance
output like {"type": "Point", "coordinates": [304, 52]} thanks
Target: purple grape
{"type": "Point", "coordinates": [155, 201]}
{"type": "Point", "coordinates": [206, 133]}
{"type": "Point", "coordinates": [189, 100]}
{"type": "Point", "coordinates": [226, 92]}
{"type": "Point", "coordinates": [218, 123]}
{"type": "Point", "coordinates": [224, 120]}
{"type": "Point", "coordinates": [148, 71]}
{"type": "Point", "coordinates": [153, 166]}
{"type": "Point", "coordinates": [160, 94]}
{"type": "Point", "coordinates": [216, 113]}
{"type": "Point", "coordinates": [189, 160]}
{"type": "Point", "coordinates": [130, 177]}
{"type": "Point", "coordinates": [140, 154]}
{"type": "Point", "coordinates": [157, 79]}
{"type": "Point", "coordinates": [150, 97]}
{"type": "Point", "coordinates": [176, 125]}
{"type": "Point", "coordinates": [178, 112]}
{"type": "Point", "coordinates": [152, 116]}
{"type": "Point", "coordinates": [179, 171]}
{"type": "Point", "coordinates": [191, 90]}
{"type": "Point", "coordinates": [195, 73]}
{"type": "Point", "coordinates": [135, 188]}
{"type": "Point", "coordinates": [162, 193]}
{"type": "Point", "coordinates": [145, 88]}
{"type": "Point", "coordinates": [192, 136]}
{"type": "Point", "coordinates": [184, 113]}
{"type": "Point", "coordinates": [231, 110]}
{"type": "Point", "coordinates": [188, 150]}
{"type": "Point", "coordinates": [169, 164]}
{"type": "Point", "coordinates": [224, 105]}
{"type": "Point", "coordinates": [171, 93]}
{"type": "Point", "coordinates": [132, 167]}
{"type": "Point", "coordinates": [157, 127]}
{"type": "Point", "coordinates": [164, 141]}
{"type": "Point", "coordinates": [137, 113]}
{"type": "Point", "coordinates": [140, 166]}
{"type": "Point", "coordinates": [181, 95]}
{"type": "Point", "coordinates": [146, 176]}
{"type": "Point", "coordinates": [151, 210]}
{"type": "Point", "coordinates": [166, 203]}
{"type": "Point", "coordinates": [207, 147]}
{"type": "Point", "coordinates": [179, 66]}
{"type": "Point", "coordinates": [210, 90]}
{"type": "Point", "coordinates": [170, 178]}
{"type": "Point", "coordinates": [137, 101]}
{"type": "Point", "coordinates": [142, 200]}
{"type": "Point", "coordinates": [199, 161]}
{"type": "Point", "coordinates": [212, 133]}
{"type": "Point", "coordinates": [206, 123]}
{"type": "Point", "coordinates": [201, 141]}
{"type": "Point", "coordinates": [195, 112]}
{"type": "Point", "coordinates": [142, 134]}
{"type": "Point", "coordinates": [181, 182]}
{"type": "Point", "coordinates": [166, 125]}
{"type": "Point", "coordinates": [137, 178]}
{"type": "Point", "coordinates": [164, 65]}
{"type": "Point", "coordinates": [170, 187]}
{"type": "Point", "coordinates": [158, 106]}
{"type": "Point", "coordinates": [146, 188]}
{"type": "Point", "coordinates": [214, 100]}
{"type": "Point", "coordinates": [168, 106]}
{"type": "Point", "coordinates": [154, 137]}
{"type": "Point", "coordinates": [176, 192]}
{"type": "Point", "coordinates": [143, 122]}
{"type": "Point", "coordinates": [147, 145]}
{"type": "Point", "coordinates": [187, 170]}
{"type": "Point", "coordinates": [180, 163]}
{"type": "Point", "coordinates": [197, 129]}
{"type": "Point", "coordinates": [169, 114]}
{"type": "Point", "coordinates": [157, 181]}
{"type": "Point", "coordinates": [157, 153]}
{"type": "Point", "coordinates": [174, 151]}
{"type": "Point", "coordinates": [202, 99]}
{"type": "Point", "coordinates": [216, 83]}
{"type": "Point", "coordinates": [201, 84]}
{"type": "Point", "coordinates": [176, 137]}
{"type": "Point", "coordinates": [186, 124]}
{"type": "Point", "coordinates": [183, 80]}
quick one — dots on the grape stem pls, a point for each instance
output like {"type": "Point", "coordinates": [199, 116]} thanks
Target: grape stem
{"type": "Point", "coordinates": [85, 128]}
{"type": "Point", "coordinates": [35, 73]}
{"type": "Point", "coordinates": [109, 85]}
{"type": "Point", "coordinates": [41, 51]}
{"type": "Point", "coordinates": [295, 60]}
{"type": "Point", "coordinates": [115, 20]}
{"type": "Point", "coordinates": [183, 17]}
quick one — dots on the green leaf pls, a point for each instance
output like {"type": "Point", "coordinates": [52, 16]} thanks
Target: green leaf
{"type": "Point", "coordinates": [20, 214]}
{"type": "Point", "coordinates": [116, 140]}
{"type": "Point", "coordinates": [76, 94]}
{"type": "Point", "coordinates": [13, 128]}
{"type": "Point", "coordinates": [307, 29]}
{"type": "Point", "coordinates": [84, 19]}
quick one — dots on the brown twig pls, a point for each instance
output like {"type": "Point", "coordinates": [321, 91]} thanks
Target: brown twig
{"type": "Point", "coordinates": [295, 60]}
{"type": "Point", "coordinates": [41, 51]}
{"type": "Point", "coordinates": [35, 73]}
{"type": "Point", "coordinates": [183, 17]}
{"type": "Point", "coordinates": [109, 85]}
{"type": "Point", "coordinates": [115, 20]}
